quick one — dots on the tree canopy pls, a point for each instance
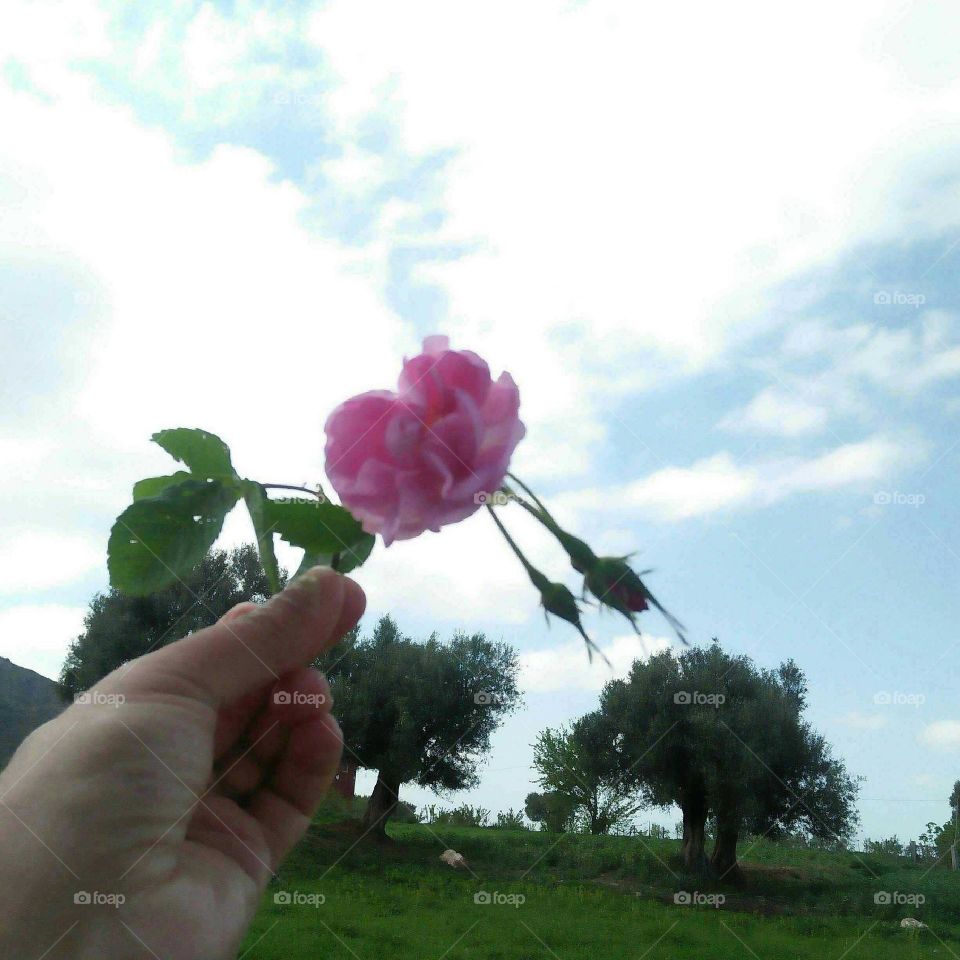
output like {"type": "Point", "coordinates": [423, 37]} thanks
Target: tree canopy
{"type": "Point", "coordinates": [118, 628]}
{"type": "Point", "coordinates": [578, 762]}
{"type": "Point", "coordinates": [724, 739]}
{"type": "Point", "coordinates": [419, 711]}
{"type": "Point", "coordinates": [552, 810]}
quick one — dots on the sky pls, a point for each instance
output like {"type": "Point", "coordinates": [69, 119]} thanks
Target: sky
{"type": "Point", "coordinates": [715, 245]}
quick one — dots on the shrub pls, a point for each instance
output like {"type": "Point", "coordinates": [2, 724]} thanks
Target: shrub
{"type": "Point", "coordinates": [511, 820]}
{"type": "Point", "coordinates": [891, 847]}
{"type": "Point", "coordinates": [405, 813]}
{"type": "Point", "coordinates": [463, 816]}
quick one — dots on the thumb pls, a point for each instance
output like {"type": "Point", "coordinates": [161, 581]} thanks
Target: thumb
{"type": "Point", "coordinates": [240, 654]}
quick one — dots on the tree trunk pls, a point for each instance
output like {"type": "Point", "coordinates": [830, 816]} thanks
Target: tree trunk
{"type": "Point", "coordinates": [596, 825]}
{"type": "Point", "coordinates": [723, 860]}
{"type": "Point", "coordinates": [692, 851]}
{"type": "Point", "coordinates": [383, 801]}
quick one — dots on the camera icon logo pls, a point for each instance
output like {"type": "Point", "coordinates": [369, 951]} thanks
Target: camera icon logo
{"type": "Point", "coordinates": [683, 697]}
{"type": "Point", "coordinates": [482, 897]}
{"type": "Point", "coordinates": [282, 697]}
{"type": "Point", "coordinates": [282, 897]}
{"type": "Point", "coordinates": [82, 897]}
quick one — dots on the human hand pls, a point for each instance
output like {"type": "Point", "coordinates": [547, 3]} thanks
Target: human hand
{"type": "Point", "coordinates": [172, 794]}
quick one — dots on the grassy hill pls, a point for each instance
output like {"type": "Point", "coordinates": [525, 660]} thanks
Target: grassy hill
{"type": "Point", "coordinates": [574, 896]}
{"type": "Point", "coordinates": [27, 700]}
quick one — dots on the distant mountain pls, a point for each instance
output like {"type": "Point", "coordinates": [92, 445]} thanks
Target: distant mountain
{"type": "Point", "coordinates": [26, 701]}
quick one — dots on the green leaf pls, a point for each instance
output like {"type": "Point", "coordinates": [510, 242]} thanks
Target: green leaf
{"type": "Point", "coordinates": [153, 486]}
{"type": "Point", "coordinates": [357, 554]}
{"type": "Point", "coordinates": [204, 453]}
{"type": "Point", "coordinates": [256, 499]}
{"type": "Point", "coordinates": [342, 562]}
{"type": "Point", "coordinates": [159, 539]}
{"type": "Point", "coordinates": [325, 531]}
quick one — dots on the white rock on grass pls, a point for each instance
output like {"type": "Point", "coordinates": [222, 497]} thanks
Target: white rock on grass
{"type": "Point", "coordinates": [453, 859]}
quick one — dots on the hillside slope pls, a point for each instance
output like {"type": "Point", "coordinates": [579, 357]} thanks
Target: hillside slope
{"type": "Point", "coordinates": [27, 699]}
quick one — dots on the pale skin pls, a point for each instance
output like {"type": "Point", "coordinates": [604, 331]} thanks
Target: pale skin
{"type": "Point", "coordinates": [174, 794]}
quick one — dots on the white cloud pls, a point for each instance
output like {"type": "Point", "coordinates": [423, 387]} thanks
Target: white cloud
{"type": "Point", "coordinates": [855, 364]}
{"type": "Point", "coordinates": [863, 721]}
{"type": "Point", "coordinates": [614, 247]}
{"type": "Point", "coordinates": [357, 171]}
{"type": "Point", "coordinates": [719, 483]}
{"type": "Point", "coordinates": [778, 414]}
{"type": "Point", "coordinates": [594, 205]}
{"type": "Point", "coordinates": [942, 735]}
{"type": "Point", "coordinates": [898, 359]}
{"type": "Point", "coordinates": [39, 560]}
{"type": "Point", "coordinates": [608, 254]}
{"type": "Point", "coordinates": [848, 465]}
{"type": "Point", "coordinates": [676, 493]}
{"type": "Point", "coordinates": [189, 294]}
{"type": "Point", "coordinates": [568, 667]}
{"type": "Point", "coordinates": [37, 636]}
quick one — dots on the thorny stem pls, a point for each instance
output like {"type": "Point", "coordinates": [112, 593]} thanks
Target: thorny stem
{"type": "Point", "coordinates": [533, 574]}
{"type": "Point", "coordinates": [513, 546]}
{"type": "Point", "coordinates": [532, 510]}
{"type": "Point", "coordinates": [532, 496]}
{"type": "Point", "coordinates": [580, 554]}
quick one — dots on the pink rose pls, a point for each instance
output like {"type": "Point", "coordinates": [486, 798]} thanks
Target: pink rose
{"type": "Point", "coordinates": [417, 459]}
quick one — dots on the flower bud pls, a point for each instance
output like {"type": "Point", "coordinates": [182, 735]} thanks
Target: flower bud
{"type": "Point", "coordinates": [613, 582]}
{"type": "Point", "coordinates": [582, 558]}
{"type": "Point", "coordinates": [616, 585]}
{"type": "Point", "coordinates": [558, 600]}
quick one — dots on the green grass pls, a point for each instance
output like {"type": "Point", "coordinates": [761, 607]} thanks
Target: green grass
{"type": "Point", "coordinates": [589, 897]}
